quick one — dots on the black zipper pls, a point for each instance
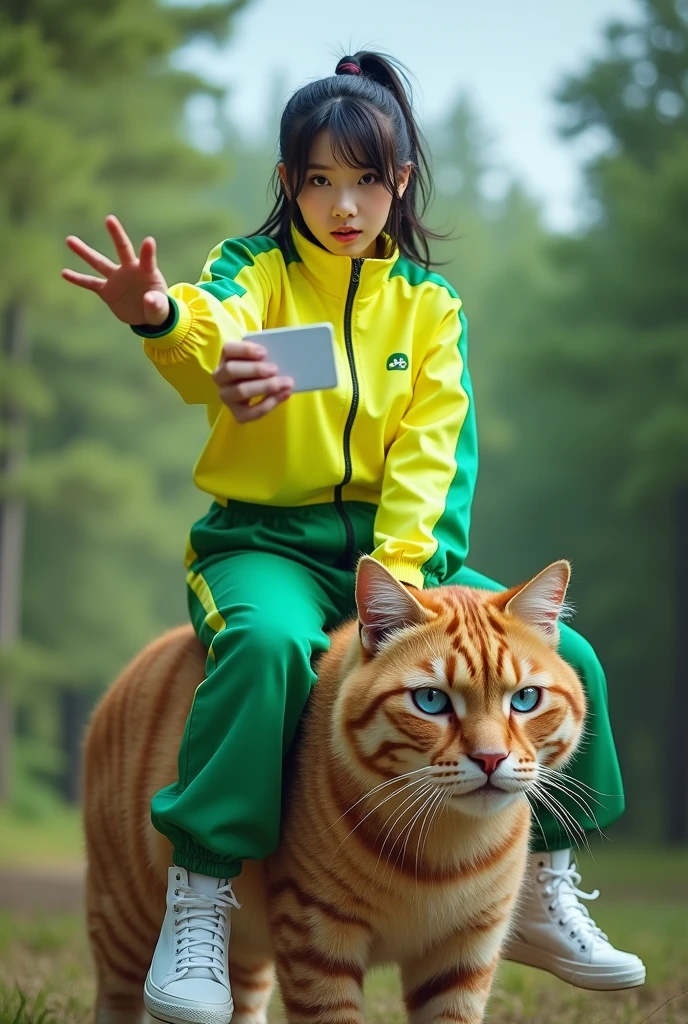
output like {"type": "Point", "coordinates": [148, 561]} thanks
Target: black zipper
{"type": "Point", "coordinates": [348, 556]}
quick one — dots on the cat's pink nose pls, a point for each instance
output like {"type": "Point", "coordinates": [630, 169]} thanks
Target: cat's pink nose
{"type": "Point", "coordinates": [488, 762]}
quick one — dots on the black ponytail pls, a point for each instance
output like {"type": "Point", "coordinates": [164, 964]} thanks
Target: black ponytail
{"type": "Point", "coordinates": [367, 107]}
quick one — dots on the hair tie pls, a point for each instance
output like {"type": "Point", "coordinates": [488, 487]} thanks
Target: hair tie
{"type": "Point", "coordinates": [348, 66]}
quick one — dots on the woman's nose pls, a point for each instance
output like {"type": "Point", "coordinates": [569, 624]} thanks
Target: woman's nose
{"type": "Point", "coordinates": [344, 205]}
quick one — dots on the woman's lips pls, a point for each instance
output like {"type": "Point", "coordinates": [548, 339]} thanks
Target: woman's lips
{"type": "Point", "coordinates": [346, 236]}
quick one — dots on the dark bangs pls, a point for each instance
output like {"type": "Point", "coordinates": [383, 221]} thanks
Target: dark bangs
{"type": "Point", "coordinates": [368, 114]}
{"type": "Point", "coordinates": [360, 135]}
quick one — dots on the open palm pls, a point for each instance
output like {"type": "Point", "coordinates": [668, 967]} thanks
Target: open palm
{"type": "Point", "coordinates": [135, 291]}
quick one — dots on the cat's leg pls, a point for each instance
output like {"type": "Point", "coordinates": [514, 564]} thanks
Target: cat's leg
{"type": "Point", "coordinates": [321, 955]}
{"type": "Point", "coordinates": [122, 944]}
{"type": "Point", "coordinates": [451, 982]}
{"type": "Point", "coordinates": [317, 987]}
{"type": "Point", "coordinates": [252, 985]}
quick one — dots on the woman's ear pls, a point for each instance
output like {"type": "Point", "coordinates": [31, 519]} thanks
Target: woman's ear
{"type": "Point", "coordinates": [403, 179]}
{"type": "Point", "coordinates": [282, 171]}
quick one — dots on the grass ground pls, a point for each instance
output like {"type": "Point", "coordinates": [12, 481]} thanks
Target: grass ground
{"type": "Point", "coordinates": [45, 975]}
{"type": "Point", "coordinates": [53, 839]}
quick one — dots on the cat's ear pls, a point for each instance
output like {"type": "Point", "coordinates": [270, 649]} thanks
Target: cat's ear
{"type": "Point", "coordinates": [541, 602]}
{"type": "Point", "coordinates": [384, 604]}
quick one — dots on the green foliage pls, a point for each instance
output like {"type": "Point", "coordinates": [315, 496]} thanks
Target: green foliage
{"type": "Point", "coordinates": [636, 92]}
{"type": "Point", "coordinates": [605, 369]}
{"type": "Point", "coordinates": [85, 130]}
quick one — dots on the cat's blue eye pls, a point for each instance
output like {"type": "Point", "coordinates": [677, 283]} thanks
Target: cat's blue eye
{"type": "Point", "coordinates": [432, 702]}
{"type": "Point", "coordinates": [526, 699]}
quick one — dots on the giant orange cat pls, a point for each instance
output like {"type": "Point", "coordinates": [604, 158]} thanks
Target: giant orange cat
{"type": "Point", "coordinates": [406, 818]}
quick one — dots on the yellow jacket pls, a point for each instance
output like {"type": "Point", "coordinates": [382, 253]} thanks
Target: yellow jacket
{"type": "Point", "coordinates": [398, 431]}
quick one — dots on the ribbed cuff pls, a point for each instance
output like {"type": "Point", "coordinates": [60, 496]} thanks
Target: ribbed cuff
{"type": "Point", "coordinates": [405, 572]}
{"type": "Point", "coordinates": [172, 331]}
{"type": "Point", "coordinates": [202, 862]}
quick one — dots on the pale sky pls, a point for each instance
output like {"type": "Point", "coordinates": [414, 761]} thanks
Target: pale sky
{"type": "Point", "coordinates": [508, 55]}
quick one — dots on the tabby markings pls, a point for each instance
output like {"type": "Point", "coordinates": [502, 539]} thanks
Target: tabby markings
{"type": "Point", "coordinates": [308, 900]}
{"type": "Point", "coordinates": [467, 978]}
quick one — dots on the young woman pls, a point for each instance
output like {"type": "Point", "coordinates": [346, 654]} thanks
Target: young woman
{"type": "Point", "coordinates": [302, 484]}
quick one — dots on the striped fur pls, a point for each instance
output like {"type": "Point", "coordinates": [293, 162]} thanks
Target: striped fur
{"type": "Point", "coordinates": [385, 854]}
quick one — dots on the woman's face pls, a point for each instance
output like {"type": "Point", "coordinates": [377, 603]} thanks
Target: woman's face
{"type": "Point", "coordinates": [344, 208]}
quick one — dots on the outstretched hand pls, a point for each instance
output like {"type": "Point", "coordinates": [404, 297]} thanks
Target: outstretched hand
{"type": "Point", "coordinates": [135, 290]}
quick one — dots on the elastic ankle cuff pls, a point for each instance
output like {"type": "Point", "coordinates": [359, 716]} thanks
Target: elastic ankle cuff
{"type": "Point", "coordinates": [204, 864]}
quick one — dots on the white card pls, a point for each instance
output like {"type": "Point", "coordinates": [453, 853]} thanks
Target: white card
{"type": "Point", "coordinates": [304, 353]}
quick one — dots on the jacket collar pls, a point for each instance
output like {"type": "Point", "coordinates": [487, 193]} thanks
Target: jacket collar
{"type": "Point", "coordinates": [332, 274]}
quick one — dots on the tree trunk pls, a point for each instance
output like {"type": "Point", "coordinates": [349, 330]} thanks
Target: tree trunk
{"type": "Point", "coordinates": [677, 775]}
{"type": "Point", "coordinates": [13, 425]}
{"type": "Point", "coordinates": [72, 707]}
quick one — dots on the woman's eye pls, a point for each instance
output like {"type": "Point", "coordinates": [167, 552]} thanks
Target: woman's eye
{"type": "Point", "coordinates": [370, 178]}
{"type": "Point", "coordinates": [526, 699]}
{"type": "Point", "coordinates": [319, 179]}
{"type": "Point", "coordinates": [432, 702]}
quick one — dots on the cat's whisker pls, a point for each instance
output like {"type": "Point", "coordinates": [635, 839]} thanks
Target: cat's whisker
{"type": "Point", "coordinates": [408, 828]}
{"type": "Point", "coordinates": [408, 831]}
{"type": "Point", "coordinates": [418, 796]}
{"type": "Point", "coordinates": [544, 799]}
{"type": "Point", "coordinates": [581, 786]}
{"type": "Point", "coordinates": [412, 799]}
{"type": "Point", "coordinates": [422, 795]}
{"type": "Point", "coordinates": [376, 789]}
{"type": "Point", "coordinates": [557, 809]}
{"type": "Point", "coordinates": [558, 784]}
{"type": "Point", "coordinates": [390, 796]}
{"type": "Point", "coordinates": [432, 803]}
{"type": "Point", "coordinates": [535, 815]}
{"type": "Point", "coordinates": [444, 798]}
{"type": "Point", "coordinates": [563, 816]}
{"type": "Point", "coordinates": [577, 799]}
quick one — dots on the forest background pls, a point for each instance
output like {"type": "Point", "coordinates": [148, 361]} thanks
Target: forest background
{"type": "Point", "coordinates": [579, 358]}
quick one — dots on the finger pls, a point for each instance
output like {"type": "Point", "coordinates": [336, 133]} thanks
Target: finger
{"type": "Point", "coordinates": [125, 250]}
{"type": "Point", "coordinates": [243, 350]}
{"type": "Point", "coordinates": [242, 369]}
{"type": "Point", "coordinates": [94, 258]}
{"type": "Point", "coordinates": [245, 390]}
{"type": "Point", "coordinates": [92, 284]}
{"type": "Point", "coordinates": [148, 255]}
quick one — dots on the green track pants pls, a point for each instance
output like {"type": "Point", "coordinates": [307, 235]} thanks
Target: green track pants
{"type": "Point", "coordinates": [265, 586]}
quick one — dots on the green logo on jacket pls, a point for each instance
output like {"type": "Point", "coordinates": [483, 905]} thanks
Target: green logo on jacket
{"type": "Point", "coordinates": [398, 361]}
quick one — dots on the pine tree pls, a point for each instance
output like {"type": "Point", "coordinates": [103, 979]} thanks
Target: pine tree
{"type": "Point", "coordinates": [92, 119]}
{"type": "Point", "coordinates": [608, 351]}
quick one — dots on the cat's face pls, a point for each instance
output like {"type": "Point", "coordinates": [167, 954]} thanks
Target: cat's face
{"type": "Point", "coordinates": [463, 689]}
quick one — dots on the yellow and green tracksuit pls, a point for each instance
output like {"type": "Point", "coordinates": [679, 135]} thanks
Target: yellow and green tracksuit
{"type": "Point", "coordinates": [385, 463]}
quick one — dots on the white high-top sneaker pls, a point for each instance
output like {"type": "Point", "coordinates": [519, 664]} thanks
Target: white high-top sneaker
{"type": "Point", "coordinates": [188, 979]}
{"type": "Point", "coordinates": [554, 930]}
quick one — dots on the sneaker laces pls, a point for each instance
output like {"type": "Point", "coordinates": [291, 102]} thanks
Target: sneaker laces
{"type": "Point", "coordinates": [563, 885]}
{"type": "Point", "coordinates": [201, 930]}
